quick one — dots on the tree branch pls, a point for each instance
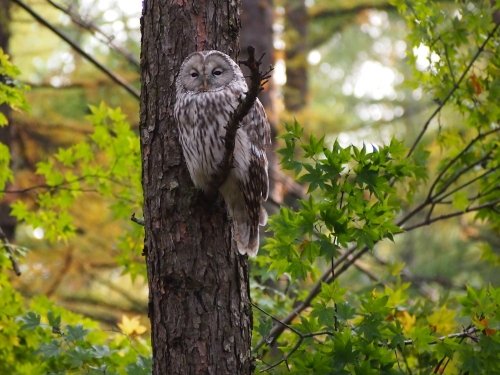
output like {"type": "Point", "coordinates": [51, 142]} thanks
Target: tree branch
{"type": "Point", "coordinates": [453, 89]}
{"type": "Point", "coordinates": [430, 195]}
{"type": "Point", "coordinates": [467, 183]}
{"type": "Point", "coordinates": [302, 337]}
{"type": "Point", "coordinates": [468, 332]}
{"type": "Point", "coordinates": [91, 27]}
{"type": "Point", "coordinates": [327, 277]}
{"type": "Point", "coordinates": [137, 220]}
{"type": "Point", "coordinates": [257, 80]}
{"type": "Point", "coordinates": [429, 220]}
{"type": "Point", "coordinates": [352, 11]}
{"type": "Point", "coordinates": [120, 81]}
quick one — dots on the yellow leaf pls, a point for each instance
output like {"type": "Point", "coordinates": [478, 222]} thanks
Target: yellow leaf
{"type": "Point", "coordinates": [442, 321]}
{"type": "Point", "coordinates": [131, 326]}
{"type": "Point", "coordinates": [406, 319]}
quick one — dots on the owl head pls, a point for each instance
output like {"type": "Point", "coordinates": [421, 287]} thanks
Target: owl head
{"type": "Point", "coordinates": [207, 71]}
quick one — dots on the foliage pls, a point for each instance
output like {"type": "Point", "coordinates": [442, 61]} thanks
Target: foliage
{"type": "Point", "coordinates": [42, 338]}
{"type": "Point", "coordinates": [359, 196]}
{"type": "Point", "coordinates": [38, 337]}
{"type": "Point", "coordinates": [107, 163]}
{"type": "Point", "coordinates": [352, 200]}
{"type": "Point", "coordinates": [12, 95]}
{"type": "Point", "coordinates": [355, 199]}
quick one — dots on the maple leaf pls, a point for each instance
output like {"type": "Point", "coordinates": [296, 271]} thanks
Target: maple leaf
{"type": "Point", "coordinates": [131, 326]}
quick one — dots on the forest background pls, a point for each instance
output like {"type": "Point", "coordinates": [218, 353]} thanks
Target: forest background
{"type": "Point", "coordinates": [415, 222]}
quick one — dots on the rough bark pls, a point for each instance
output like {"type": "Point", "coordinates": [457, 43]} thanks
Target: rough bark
{"type": "Point", "coordinates": [199, 303]}
{"type": "Point", "coordinates": [7, 222]}
{"type": "Point", "coordinates": [296, 49]}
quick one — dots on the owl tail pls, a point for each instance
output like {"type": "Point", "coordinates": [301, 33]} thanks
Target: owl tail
{"type": "Point", "coordinates": [247, 237]}
{"type": "Point", "coordinates": [246, 232]}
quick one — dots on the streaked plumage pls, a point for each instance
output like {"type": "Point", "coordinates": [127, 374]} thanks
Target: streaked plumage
{"type": "Point", "coordinates": [208, 88]}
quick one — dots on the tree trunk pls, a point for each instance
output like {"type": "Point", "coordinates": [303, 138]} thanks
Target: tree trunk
{"type": "Point", "coordinates": [199, 303]}
{"type": "Point", "coordinates": [7, 222]}
{"type": "Point", "coordinates": [257, 31]}
{"type": "Point", "coordinates": [296, 49]}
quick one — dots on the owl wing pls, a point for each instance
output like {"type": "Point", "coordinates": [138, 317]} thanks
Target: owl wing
{"type": "Point", "coordinates": [258, 130]}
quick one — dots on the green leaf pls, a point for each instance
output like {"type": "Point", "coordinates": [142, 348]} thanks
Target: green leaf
{"type": "Point", "coordinates": [54, 321]}
{"type": "Point", "coordinates": [78, 356]}
{"type": "Point", "coordinates": [101, 351]}
{"type": "Point", "coordinates": [30, 321]}
{"type": "Point", "coordinates": [141, 367]}
{"type": "Point", "coordinates": [75, 333]}
{"type": "Point", "coordinates": [50, 349]}
{"type": "Point", "coordinates": [461, 200]}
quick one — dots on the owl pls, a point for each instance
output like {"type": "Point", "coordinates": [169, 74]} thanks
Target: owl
{"type": "Point", "coordinates": [209, 87]}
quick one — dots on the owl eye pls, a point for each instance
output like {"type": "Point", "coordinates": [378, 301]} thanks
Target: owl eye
{"type": "Point", "coordinates": [194, 74]}
{"type": "Point", "coordinates": [217, 72]}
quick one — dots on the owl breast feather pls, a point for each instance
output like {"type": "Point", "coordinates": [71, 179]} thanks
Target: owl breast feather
{"type": "Point", "coordinates": [202, 118]}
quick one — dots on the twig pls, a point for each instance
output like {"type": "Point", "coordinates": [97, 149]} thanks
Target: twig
{"type": "Point", "coordinates": [465, 184]}
{"type": "Point", "coordinates": [450, 68]}
{"type": "Point", "coordinates": [459, 173]}
{"type": "Point", "coordinates": [453, 89]}
{"type": "Point", "coordinates": [257, 79]}
{"type": "Point", "coordinates": [8, 248]}
{"type": "Point", "coordinates": [408, 369]}
{"type": "Point", "coordinates": [480, 136]}
{"type": "Point", "coordinates": [89, 26]}
{"type": "Point", "coordinates": [276, 319]}
{"type": "Point", "coordinates": [120, 81]}
{"type": "Point", "coordinates": [302, 337]}
{"type": "Point", "coordinates": [64, 269]}
{"type": "Point", "coordinates": [453, 214]}
{"type": "Point", "coordinates": [467, 333]}
{"type": "Point", "coordinates": [431, 196]}
{"type": "Point", "coordinates": [278, 329]}
{"type": "Point", "coordinates": [137, 220]}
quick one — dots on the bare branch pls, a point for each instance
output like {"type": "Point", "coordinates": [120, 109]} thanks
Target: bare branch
{"type": "Point", "coordinates": [257, 79]}
{"type": "Point", "coordinates": [63, 270]}
{"type": "Point", "coordinates": [98, 33]}
{"type": "Point", "coordinates": [430, 200]}
{"type": "Point", "coordinates": [120, 81]}
{"type": "Point", "coordinates": [467, 183]}
{"type": "Point", "coordinates": [428, 221]}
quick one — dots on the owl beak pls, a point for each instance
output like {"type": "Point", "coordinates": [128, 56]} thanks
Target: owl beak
{"type": "Point", "coordinates": [205, 84]}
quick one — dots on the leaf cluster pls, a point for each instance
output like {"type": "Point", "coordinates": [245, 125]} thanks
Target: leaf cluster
{"type": "Point", "coordinates": [42, 338]}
